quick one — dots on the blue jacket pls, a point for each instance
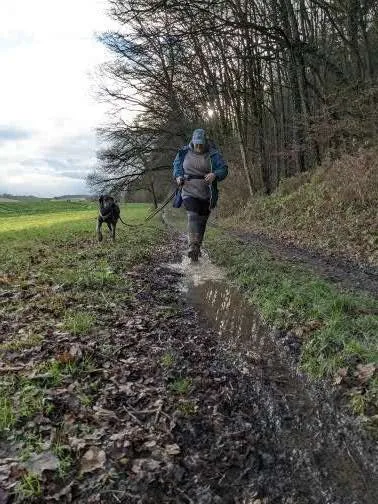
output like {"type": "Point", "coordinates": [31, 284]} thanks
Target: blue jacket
{"type": "Point", "coordinates": [218, 166]}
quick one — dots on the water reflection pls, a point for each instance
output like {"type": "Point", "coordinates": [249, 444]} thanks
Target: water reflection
{"type": "Point", "coordinates": [300, 416]}
{"type": "Point", "coordinates": [291, 409]}
{"type": "Point", "coordinates": [223, 308]}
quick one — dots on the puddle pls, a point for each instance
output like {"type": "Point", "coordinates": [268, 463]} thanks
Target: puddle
{"type": "Point", "coordinates": [227, 311]}
{"type": "Point", "coordinates": [299, 416]}
{"type": "Point", "coordinates": [224, 309]}
{"type": "Point", "coordinates": [197, 274]}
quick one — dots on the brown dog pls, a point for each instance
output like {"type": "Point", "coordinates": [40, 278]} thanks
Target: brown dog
{"type": "Point", "coordinates": [109, 213]}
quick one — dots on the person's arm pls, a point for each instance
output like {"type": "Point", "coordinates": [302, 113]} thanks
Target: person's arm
{"type": "Point", "coordinates": [219, 166]}
{"type": "Point", "coordinates": [178, 170]}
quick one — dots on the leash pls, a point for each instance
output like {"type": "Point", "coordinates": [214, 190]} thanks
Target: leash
{"type": "Point", "coordinates": [155, 212]}
{"type": "Point", "coordinates": [151, 215]}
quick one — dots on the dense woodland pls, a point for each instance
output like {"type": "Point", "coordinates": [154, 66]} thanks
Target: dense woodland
{"type": "Point", "coordinates": [279, 85]}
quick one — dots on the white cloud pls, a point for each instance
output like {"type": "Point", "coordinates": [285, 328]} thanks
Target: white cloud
{"type": "Point", "coordinates": [42, 185]}
{"type": "Point", "coordinates": [48, 55]}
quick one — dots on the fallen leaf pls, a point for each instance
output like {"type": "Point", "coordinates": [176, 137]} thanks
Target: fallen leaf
{"type": "Point", "coordinates": [127, 388]}
{"type": "Point", "coordinates": [151, 465]}
{"type": "Point", "coordinates": [117, 436]}
{"type": "Point", "coordinates": [341, 374]}
{"type": "Point", "coordinates": [45, 461]}
{"type": "Point", "coordinates": [365, 372]}
{"type": "Point", "coordinates": [314, 324]}
{"type": "Point", "coordinates": [104, 413]}
{"type": "Point", "coordinates": [64, 358]}
{"type": "Point", "coordinates": [75, 352]}
{"type": "Point", "coordinates": [172, 449]}
{"type": "Point", "coordinates": [149, 444]}
{"type": "Point", "coordinates": [65, 492]}
{"type": "Point", "coordinates": [93, 459]}
{"type": "Point", "coordinates": [77, 443]}
{"type": "Point", "coordinates": [298, 332]}
{"type": "Point", "coordinates": [16, 471]}
{"type": "Point", "coordinates": [137, 465]}
{"type": "Point", "coordinates": [140, 465]}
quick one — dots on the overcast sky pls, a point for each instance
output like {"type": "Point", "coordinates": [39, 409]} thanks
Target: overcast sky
{"type": "Point", "coordinates": [48, 110]}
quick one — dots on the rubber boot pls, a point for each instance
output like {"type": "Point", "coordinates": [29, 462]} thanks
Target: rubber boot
{"type": "Point", "coordinates": [202, 233]}
{"type": "Point", "coordinates": [194, 246]}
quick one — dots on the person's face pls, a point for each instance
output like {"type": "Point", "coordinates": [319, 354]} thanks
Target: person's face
{"type": "Point", "coordinates": [199, 148]}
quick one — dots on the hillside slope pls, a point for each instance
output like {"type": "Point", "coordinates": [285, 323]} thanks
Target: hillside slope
{"type": "Point", "coordinates": [332, 209]}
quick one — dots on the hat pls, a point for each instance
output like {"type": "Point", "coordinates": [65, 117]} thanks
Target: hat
{"type": "Point", "coordinates": [199, 137]}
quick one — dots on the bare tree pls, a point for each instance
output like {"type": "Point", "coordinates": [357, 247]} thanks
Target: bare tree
{"type": "Point", "coordinates": [279, 79]}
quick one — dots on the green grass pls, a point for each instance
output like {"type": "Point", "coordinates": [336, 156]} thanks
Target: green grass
{"type": "Point", "coordinates": [29, 486]}
{"type": "Point", "coordinates": [181, 386]}
{"type": "Point", "coordinates": [54, 373]}
{"type": "Point", "coordinates": [167, 360]}
{"type": "Point", "coordinates": [62, 245]}
{"type": "Point", "coordinates": [33, 444]}
{"type": "Point", "coordinates": [78, 322]}
{"type": "Point", "coordinates": [20, 343]}
{"type": "Point", "coordinates": [42, 207]}
{"type": "Point", "coordinates": [65, 458]}
{"type": "Point", "coordinates": [188, 408]}
{"type": "Point", "coordinates": [20, 400]}
{"type": "Point", "coordinates": [340, 329]}
{"type": "Point", "coordinates": [7, 415]}
{"type": "Point", "coordinates": [59, 277]}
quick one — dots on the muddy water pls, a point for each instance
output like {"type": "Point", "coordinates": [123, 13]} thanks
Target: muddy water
{"type": "Point", "coordinates": [330, 462]}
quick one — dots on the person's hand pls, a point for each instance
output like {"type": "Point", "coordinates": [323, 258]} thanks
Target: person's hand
{"type": "Point", "coordinates": [180, 181]}
{"type": "Point", "coordinates": [210, 177]}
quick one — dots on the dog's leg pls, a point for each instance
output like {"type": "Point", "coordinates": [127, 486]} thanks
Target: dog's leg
{"type": "Point", "coordinates": [113, 230]}
{"type": "Point", "coordinates": [109, 224]}
{"type": "Point", "coordinates": [98, 229]}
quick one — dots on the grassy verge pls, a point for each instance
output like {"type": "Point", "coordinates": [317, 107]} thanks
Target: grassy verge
{"type": "Point", "coordinates": [338, 330]}
{"type": "Point", "coordinates": [57, 285]}
{"type": "Point", "coordinates": [332, 209]}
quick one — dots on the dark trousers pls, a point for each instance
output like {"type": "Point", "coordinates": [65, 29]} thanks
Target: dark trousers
{"type": "Point", "coordinates": [198, 212]}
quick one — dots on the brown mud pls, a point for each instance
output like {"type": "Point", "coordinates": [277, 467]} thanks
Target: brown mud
{"type": "Point", "coordinates": [193, 401]}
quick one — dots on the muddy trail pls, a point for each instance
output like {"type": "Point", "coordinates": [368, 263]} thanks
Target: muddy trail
{"type": "Point", "coordinates": [225, 418]}
{"type": "Point", "coordinates": [304, 449]}
{"type": "Point", "coordinates": [342, 271]}
{"type": "Point", "coordinates": [194, 401]}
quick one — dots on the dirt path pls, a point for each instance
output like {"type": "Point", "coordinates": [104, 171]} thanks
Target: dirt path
{"type": "Point", "coordinates": [178, 415]}
{"type": "Point", "coordinates": [199, 423]}
{"type": "Point", "coordinates": [346, 274]}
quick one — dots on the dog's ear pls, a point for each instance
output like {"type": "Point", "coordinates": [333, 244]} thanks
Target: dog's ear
{"type": "Point", "coordinates": [101, 200]}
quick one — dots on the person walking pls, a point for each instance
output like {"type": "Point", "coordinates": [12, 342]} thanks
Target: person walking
{"type": "Point", "coordinates": [197, 168]}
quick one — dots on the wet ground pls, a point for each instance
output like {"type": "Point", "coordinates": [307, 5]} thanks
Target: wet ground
{"type": "Point", "coordinates": [194, 401]}
{"type": "Point", "coordinates": [341, 271]}
{"type": "Point", "coordinates": [311, 449]}
{"type": "Point", "coordinates": [327, 457]}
